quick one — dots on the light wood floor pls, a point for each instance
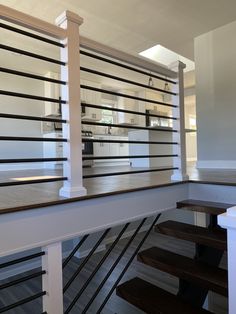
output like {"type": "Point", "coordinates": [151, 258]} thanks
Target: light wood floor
{"type": "Point", "coordinates": [115, 304]}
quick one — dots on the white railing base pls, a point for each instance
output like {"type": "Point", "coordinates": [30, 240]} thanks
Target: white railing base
{"type": "Point", "coordinates": [69, 192]}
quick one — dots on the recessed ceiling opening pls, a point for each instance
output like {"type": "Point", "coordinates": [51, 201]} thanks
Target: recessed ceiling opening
{"type": "Point", "coordinates": [166, 57]}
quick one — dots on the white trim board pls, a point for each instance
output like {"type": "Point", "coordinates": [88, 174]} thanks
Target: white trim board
{"type": "Point", "coordinates": [216, 164]}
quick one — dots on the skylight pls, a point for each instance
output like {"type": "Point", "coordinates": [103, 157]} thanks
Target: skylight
{"type": "Point", "coordinates": [166, 57]}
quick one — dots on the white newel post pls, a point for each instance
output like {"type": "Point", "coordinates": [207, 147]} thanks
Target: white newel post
{"type": "Point", "coordinates": [52, 280]}
{"type": "Point", "coordinates": [179, 124]}
{"type": "Point", "coordinates": [228, 221]}
{"type": "Point", "coordinates": [71, 111]}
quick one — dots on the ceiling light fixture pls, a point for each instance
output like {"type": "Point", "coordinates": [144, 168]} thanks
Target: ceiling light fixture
{"type": "Point", "coordinates": [166, 97]}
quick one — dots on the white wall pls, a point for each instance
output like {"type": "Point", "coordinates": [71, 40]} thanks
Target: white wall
{"type": "Point", "coordinates": [215, 91]}
{"type": "Point", "coordinates": [13, 127]}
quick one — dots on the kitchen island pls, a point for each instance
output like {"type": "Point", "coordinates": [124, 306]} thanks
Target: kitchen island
{"type": "Point", "coordinates": [150, 149]}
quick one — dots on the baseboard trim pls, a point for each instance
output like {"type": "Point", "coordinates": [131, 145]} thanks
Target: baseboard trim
{"type": "Point", "coordinates": [216, 164]}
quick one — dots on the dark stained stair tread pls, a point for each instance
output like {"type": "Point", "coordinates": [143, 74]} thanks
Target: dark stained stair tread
{"type": "Point", "coordinates": [212, 238]}
{"type": "Point", "coordinates": [206, 276]}
{"type": "Point", "coordinates": [212, 208]}
{"type": "Point", "coordinates": [154, 300]}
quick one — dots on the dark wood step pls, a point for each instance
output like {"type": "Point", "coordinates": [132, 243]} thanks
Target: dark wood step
{"type": "Point", "coordinates": [201, 274]}
{"type": "Point", "coordinates": [154, 300]}
{"type": "Point", "coordinates": [212, 208]}
{"type": "Point", "coordinates": [212, 238]}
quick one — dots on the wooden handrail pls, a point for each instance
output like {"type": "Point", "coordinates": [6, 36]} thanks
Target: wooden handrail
{"type": "Point", "coordinates": [33, 23]}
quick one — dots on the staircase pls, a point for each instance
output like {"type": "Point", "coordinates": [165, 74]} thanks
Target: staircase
{"type": "Point", "coordinates": [197, 276]}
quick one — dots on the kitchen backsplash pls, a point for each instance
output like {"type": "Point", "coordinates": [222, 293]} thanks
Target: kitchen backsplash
{"type": "Point", "coordinates": [48, 127]}
{"type": "Point", "coordinates": [104, 130]}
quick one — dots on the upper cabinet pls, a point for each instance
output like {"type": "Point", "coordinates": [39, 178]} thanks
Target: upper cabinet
{"type": "Point", "coordinates": [91, 97]}
{"type": "Point", "coordinates": [127, 104]}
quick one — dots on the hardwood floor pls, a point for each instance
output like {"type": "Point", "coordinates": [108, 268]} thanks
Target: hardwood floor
{"type": "Point", "coordinates": [16, 196]}
{"type": "Point", "coordinates": [115, 304]}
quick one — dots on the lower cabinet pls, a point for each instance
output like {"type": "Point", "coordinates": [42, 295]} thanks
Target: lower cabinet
{"type": "Point", "coordinates": [53, 150]}
{"type": "Point", "coordinates": [111, 149]}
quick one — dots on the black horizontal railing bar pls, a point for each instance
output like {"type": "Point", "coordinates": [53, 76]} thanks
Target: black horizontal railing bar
{"type": "Point", "coordinates": [126, 157]}
{"type": "Point", "coordinates": [21, 302]}
{"type": "Point", "coordinates": [33, 118]}
{"type": "Point", "coordinates": [21, 259]}
{"type": "Point", "coordinates": [96, 269]}
{"type": "Point", "coordinates": [21, 160]}
{"type": "Point", "coordinates": [98, 175]}
{"type": "Point", "coordinates": [25, 182]}
{"type": "Point", "coordinates": [126, 111]}
{"type": "Point", "coordinates": [76, 273]}
{"type": "Point", "coordinates": [121, 79]}
{"type": "Point", "coordinates": [113, 266]}
{"type": "Point", "coordinates": [128, 264]}
{"type": "Point", "coordinates": [69, 257]}
{"type": "Point", "coordinates": [31, 54]}
{"type": "Point", "coordinates": [21, 95]}
{"type": "Point", "coordinates": [33, 76]}
{"type": "Point", "coordinates": [95, 140]}
{"type": "Point", "coordinates": [25, 33]}
{"type": "Point", "coordinates": [32, 139]}
{"type": "Point", "coordinates": [23, 279]}
{"type": "Point", "coordinates": [122, 65]}
{"type": "Point", "coordinates": [124, 126]}
{"type": "Point", "coordinates": [105, 91]}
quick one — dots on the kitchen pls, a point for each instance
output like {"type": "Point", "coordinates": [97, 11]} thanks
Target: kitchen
{"type": "Point", "coordinates": [108, 99]}
{"type": "Point", "coordinates": [122, 125]}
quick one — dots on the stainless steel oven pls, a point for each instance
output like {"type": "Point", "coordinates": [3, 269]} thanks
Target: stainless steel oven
{"type": "Point", "coordinates": [87, 148]}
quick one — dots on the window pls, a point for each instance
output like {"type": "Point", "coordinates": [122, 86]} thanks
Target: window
{"type": "Point", "coordinates": [108, 116]}
{"type": "Point", "coordinates": [192, 122]}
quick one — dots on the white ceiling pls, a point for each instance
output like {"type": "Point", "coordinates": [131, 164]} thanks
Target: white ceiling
{"type": "Point", "coordinates": [135, 25]}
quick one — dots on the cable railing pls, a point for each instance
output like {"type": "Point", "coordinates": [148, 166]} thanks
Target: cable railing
{"type": "Point", "coordinates": [126, 111]}
{"type": "Point", "coordinates": [152, 101]}
{"type": "Point", "coordinates": [6, 286]}
{"type": "Point", "coordinates": [175, 156]}
{"type": "Point", "coordinates": [121, 79]}
{"type": "Point", "coordinates": [50, 278]}
{"type": "Point", "coordinates": [65, 94]}
{"type": "Point", "coordinates": [138, 75]}
{"type": "Point", "coordinates": [125, 66]}
{"type": "Point", "coordinates": [117, 264]}
{"type": "Point", "coordinates": [9, 15]}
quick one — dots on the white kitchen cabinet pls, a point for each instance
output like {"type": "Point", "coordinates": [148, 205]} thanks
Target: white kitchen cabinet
{"type": "Point", "coordinates": [114, 149]}
{"type": "Point", "coordinates": [101, 149]}
{"type": "Point", "coordinates": [127, 104]}
{"type": "Point", "coordinates": [91, 97]}
{"type": "Point", "coordinates": [150, 149]}
{"type": "Point", "coordinates": [53, 150]}
{"type": "Point", "coordinates": [123, 148]}
{"type": "Point", "coordinates": [111, 149]}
